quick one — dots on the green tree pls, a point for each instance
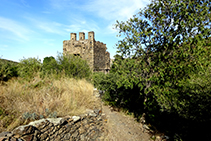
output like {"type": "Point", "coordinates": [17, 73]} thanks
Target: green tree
{"type": "Point", "coordinates": [73, 66]}
{"type": "Point", "coordinates": [167, 39]}
{"type": "Point", "coordinates": [165, 56]}
{"type": "Point", "coordinates": [28, 68]}
{"type": "Point", "coordinates": [50, 65]}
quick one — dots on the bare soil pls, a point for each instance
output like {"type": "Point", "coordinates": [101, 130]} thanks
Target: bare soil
{"type": "Point", "coordinates": [121, 127]}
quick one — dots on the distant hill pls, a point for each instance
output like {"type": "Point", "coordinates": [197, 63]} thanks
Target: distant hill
{"type": "Point", "coordinates": [5, 60]}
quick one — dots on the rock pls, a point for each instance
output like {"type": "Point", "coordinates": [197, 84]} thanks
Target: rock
{"type": "Point", "coordinates": [92, 114]}
{"type": "Point", "coordinates": [75, 134]}
{"type": "Point", "coordinates": [43, 137]}
{"type": "Point", "coordinates": [87, 126]}
{"type": "Point", "coordinates": [89, 111]}
{"type": "Point", "coordinates": [67, 136]}
{"type": "Point", "coordinates": [76, 118]}
{"type": "Point", "coordinates": [165, 137]}
{"type": "Point", "coordinates": [25, 129]}
{"type": "Point", "coordinates": [38, 123]}
{"type": "Point", "coordinates": [2, 139]}
{"type": "Point", "coordinates": [97, 111]}
{"type": "Point", "coordinates": [101, 92]}
{"type": "Point", "coordinates": [27, 137]}
{"type": "Point", "coordinates": [63, 122]}
{"type": "Point", "coordinates": [5, 134]}
{"type": "Point", "coordinates": [12, 139]}
{"type": "Point", "coordinates": [55, 121]}
{"type": "Point", "coordinates": [146, 127]}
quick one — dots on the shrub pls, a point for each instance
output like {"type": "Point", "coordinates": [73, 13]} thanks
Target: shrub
{"type": "Point", "coordinates": [27, 68]}
{"type": "Point", "coordinates": [49, 65]}
{"type": "Point", "coordinates": [97, 78]}
{"type": "Point", "coordinates": [7, 70]}
{"type": "Point", "coordinates": [73, 66]}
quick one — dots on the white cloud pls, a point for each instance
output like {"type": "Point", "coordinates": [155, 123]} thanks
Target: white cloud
{"type": "Point", "coordinates": [47, 26]}
{"type": "Point", "coordinates": [107, 9]}
{"type": "Point", "coordinates": [115, 10]}
{"type": "Point", "coordinates": [50, 27]}
{"type": "Point", "coordinates": [61, 4]}
{"type": "Point", "coordinates": [25, 3]}
{"type": "Point", "coordinates": [46, 12]}
{"type": "Point", "coordinates": [81, 25]}
{"type": "Point", "coordinates": [111, 28]}
{"type": "Point", "coordinates": [3, 47]}
{"type": "Point", "coordinates": [9, 26]}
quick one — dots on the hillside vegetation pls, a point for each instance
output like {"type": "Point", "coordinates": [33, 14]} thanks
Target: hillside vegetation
{"type": "Point", "coordinates": [162, 69]}
{"type": "Point", "coordinates": [32, 90]}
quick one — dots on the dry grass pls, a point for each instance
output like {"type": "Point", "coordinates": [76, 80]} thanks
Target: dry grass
{"type": "Point", "coordinates": [44, 97]}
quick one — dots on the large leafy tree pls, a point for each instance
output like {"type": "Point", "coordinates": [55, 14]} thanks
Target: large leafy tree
{"type": "Point", "coordinates": [165, 45]}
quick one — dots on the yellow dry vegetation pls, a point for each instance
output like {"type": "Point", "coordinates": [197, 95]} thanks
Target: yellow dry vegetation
{"type": "Point", "coordinates": [64, 96]}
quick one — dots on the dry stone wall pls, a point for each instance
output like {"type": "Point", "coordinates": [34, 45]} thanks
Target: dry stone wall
{"type": "Point", "coordinates": [88, 126]}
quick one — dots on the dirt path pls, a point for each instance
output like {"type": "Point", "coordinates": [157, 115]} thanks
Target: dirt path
{"type": "Point", "coordinates": [120, 127]}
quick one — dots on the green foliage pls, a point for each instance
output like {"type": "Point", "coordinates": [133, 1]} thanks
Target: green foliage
{"type": "Point", "coordinates": [166, 48]}
{"type": "Point", "coordinates": [118, 95]}
{"type": "Point", "coordinates": [73, 66]}
{"type": "Point", "coordinates": [49, 65]}
{"type": "Point", "coordinates": [7, 70]}
{"type": "Point", "coordinates": [63, 65]}
{"type": "Point", "coordinates": [97, 77]}
{"type": "Point", "coordinates": [34, 116]}
{"type": "Point", "coordinates": [27, 68]}
{"type": "Point", "coordinates": [195, 93]}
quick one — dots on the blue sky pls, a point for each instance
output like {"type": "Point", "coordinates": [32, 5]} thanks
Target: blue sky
{"type": "Point", "coordinates": [37, 28]}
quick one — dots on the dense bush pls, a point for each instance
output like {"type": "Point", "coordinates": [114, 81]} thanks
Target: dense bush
{"type": "Point", "coordinates": [166, 58]}
{"type": "Point", "coordinates": [49, 66]}
{"type": "Point", "coordinates": [73, 66]}
{"type": "Point", "coordinates": [7, 70]}
{"type": "Point", "coordinates": [97, 78]}
{"type": "Point", "coordinates": [27, 68]}
{"type": "Point", "coordinates": [62, 66]}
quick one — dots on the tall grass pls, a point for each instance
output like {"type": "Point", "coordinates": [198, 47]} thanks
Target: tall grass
{"type": "Point", "coordinates": [43, 97]}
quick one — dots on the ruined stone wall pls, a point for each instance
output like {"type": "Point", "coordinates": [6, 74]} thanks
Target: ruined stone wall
{"type": "Point", "coordinates": [99, 56]}
{"type": "Point", "coordinates": [107, 60]}
{"type": "Point", "coordinates": [85, 127]}
{"type": "Point", "coordinates": [81, 48]}
{"type": "Point", "coordinates": [88, 126]}
{"type": "Point", "coordinates": [88, 49]}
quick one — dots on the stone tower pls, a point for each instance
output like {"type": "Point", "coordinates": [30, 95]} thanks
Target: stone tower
{"type": "Point", "coordinates": [88, 49]}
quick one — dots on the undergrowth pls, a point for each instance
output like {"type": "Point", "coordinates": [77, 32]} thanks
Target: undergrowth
{"type": "Point", "coordinates": [22, 101]}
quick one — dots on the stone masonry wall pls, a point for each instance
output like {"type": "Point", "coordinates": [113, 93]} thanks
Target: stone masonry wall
{"type": "Point", "coordinates": [99, 56]}
{"type": "Point", "coordinates": [89, 49]}
{"type": "Point", "coordinates": [88, 126]}
{"type": "Point", "coordinates": [107, 60]}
